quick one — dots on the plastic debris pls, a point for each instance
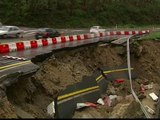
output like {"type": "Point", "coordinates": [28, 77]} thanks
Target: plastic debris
{"type": "Point", "coordinates": [119, 80]}
{"type": "Point", "coordinates": [80, 105]}
{"type": "Point", "coordinates": [153, 96]}
{"type": "Point", "coordinates": [142, 88]}
{"type": "Point", "coordinates": [110, 100]}
{"type": "Point", "coordinates": [89, 104]}
{"type": "Point", "coordinates": [100, 101]}
{"type": "Point", "coordinates": [148, 87]}
{"type": "Point", "coordinates": [107, 101]}
{"type": "Point", "coordinates": [86, 104]}
{"type": "Point", "coordinates": [151, 111]}
{"type": "Point", "coordinates": [111, 97]}
{"type": "Point", "coordinates": [113, 100]}
{"type": "Point", "coordinates": [112, 90]}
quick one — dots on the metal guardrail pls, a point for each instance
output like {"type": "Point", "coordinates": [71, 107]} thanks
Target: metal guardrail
{"type": "Point", "coordinates": [130, 78]}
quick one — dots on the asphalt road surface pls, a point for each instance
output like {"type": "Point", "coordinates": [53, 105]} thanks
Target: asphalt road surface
{"type": "Point", "coordinates": [10, 66]}
{"type": "Point", "coordinates": [30, 32]}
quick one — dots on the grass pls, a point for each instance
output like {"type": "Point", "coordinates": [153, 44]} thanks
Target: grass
{"type": "Point", "coordinates": [152, 36]}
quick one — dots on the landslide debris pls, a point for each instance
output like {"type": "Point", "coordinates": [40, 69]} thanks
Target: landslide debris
{"type": "Point", "coordinates": [67, 67]}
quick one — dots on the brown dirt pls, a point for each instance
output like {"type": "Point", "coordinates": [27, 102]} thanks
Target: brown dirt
{"type": "Point", "coordinates": [34, 94]}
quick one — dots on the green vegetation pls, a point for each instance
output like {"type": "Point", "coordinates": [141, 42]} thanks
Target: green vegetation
{"type": "Point", "coordinates": [152, 36]}
{"type": "Point", "coordinates": [80, 13]}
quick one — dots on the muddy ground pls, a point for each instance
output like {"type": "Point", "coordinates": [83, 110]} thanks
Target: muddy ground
{"type": "Point", "coordinates": [67, 67]}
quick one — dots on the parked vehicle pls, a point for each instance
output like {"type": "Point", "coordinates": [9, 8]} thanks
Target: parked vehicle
{"type": "Point", "coordinates": [10, 31]}
{"type": "Point", "coordinates": [96, 29]}
{"type": "Point", "coordinates": [47, 33]}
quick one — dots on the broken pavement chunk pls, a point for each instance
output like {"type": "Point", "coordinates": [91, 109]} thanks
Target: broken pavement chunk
{"type": "Point", "coordinates": [151, 111]}
{"type": "Point", "coordinates": [101, 81]}
{"type": "Point", "coordinates": [111, 90]}
{"type": "Point", "coordinates": [153, 96]}
{"type": "Point", "coordinates": [87, 91]}
{"type": "Point", "coordinates": [51, 109]}
{"type": "Point", "coordinates": [120, 72]}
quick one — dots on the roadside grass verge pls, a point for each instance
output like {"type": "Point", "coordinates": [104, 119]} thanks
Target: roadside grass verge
{"type": "Point", "coordinates": [152, 36]}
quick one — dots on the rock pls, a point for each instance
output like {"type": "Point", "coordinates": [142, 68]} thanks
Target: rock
{"type": "Point", "coordinates": [138, 51]}
{"type": "Point", "coordinates": [120, 50]}
{"type": "Point", "coordinates": [86, 116]}
{"type": "Point", "coordinates": [116, 84]}
{"type": "Point", "coordinates": [6, 109]}
{"type": "Point", "coordinates": [129, 97]}
{"type": "Point", "coordinates": [56, 81]}
{"type": "Point", "coordinates": [119, 98]}
{"type": "Point", "coordinates": [149, 86]}
{"type": "Point", "coordinates": [141, 96]}
{"type": "Point", "coordinates": [22, 114]}
{"type": "Point", "coordinates": [113, 102]}
{"type": "Point", "coordinates": [2, 94]}
{"type": "Point", "coordinates": [43, 71]}
{"type": "Point", "coordinates": [133, 111]}
{"type": "Point", "coordinates": [146, 82]}
{"type": "Point", "coordinates": [112, 90]}
{"type": "Point", "coordinates": [139, 81]}
{"type": "Point", "coordinates": [119, 110]}
{"type": "Point", "coordinates": [150, 110]}
{"type": "Point", "coordinates": [78, 72]}
{"type": "Point", "coordinates": [88, 113]}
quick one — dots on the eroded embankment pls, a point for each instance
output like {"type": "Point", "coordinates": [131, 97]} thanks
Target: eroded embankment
{"type": "Point", "coordinates": [68, 67]}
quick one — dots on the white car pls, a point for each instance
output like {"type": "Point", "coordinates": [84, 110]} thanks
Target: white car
{"type": "Point", "coordinates": [96, 29]}
{"type": "Point", "coordinates": [10, 31]}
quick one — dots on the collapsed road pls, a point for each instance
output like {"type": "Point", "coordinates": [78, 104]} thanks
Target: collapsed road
{"type": "Point", "coordinates": [11, 61]}
{"type": "Point", "coordinates": [91, 88]}
{"type": "Point", "coordinates": [34, 83]}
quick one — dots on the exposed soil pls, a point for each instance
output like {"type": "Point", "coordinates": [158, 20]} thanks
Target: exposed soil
{"type": "Point", "coordinates": [34, 94]}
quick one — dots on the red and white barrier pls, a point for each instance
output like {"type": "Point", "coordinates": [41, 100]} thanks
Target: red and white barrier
{"type": "Point", "coordinates": [27, 44]}
{"type": "Point", "coordinates": [14, 58]}
{"type": "Point", "coordinates": [68, 40]}
{"type": "Point", "coordinates": [12, 47]}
